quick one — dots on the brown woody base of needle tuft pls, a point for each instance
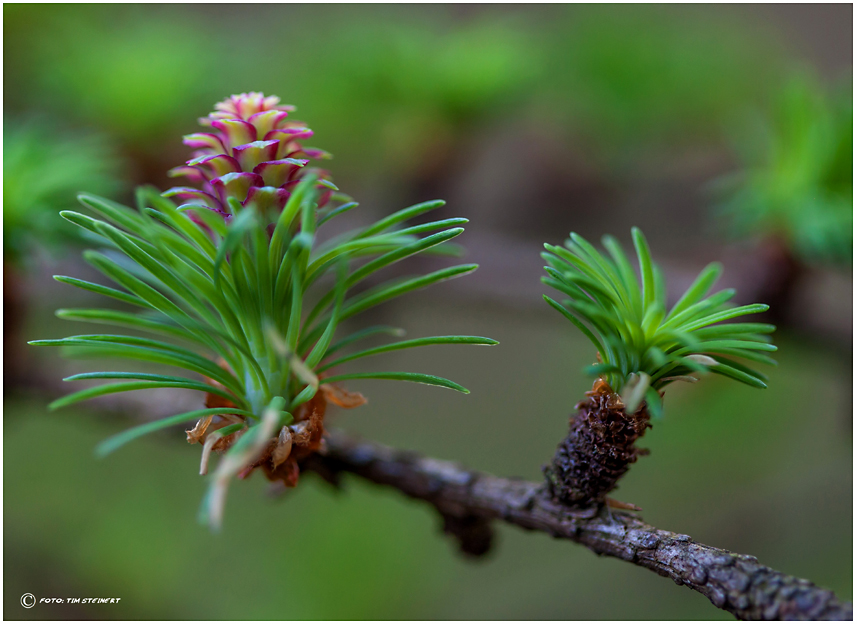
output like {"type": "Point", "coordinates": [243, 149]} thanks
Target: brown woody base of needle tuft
{"type": "Point", "coordinates": [280, 459]}
{"type": "Point", "coordinates": [598, 450]}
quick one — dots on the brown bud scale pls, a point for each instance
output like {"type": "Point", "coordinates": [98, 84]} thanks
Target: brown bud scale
{"type": "Point", "coordinates": [599, 448]}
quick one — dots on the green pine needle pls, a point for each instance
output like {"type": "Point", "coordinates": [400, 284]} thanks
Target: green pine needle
{"type": "Point", "coordinates": [257, 292]}
{"type": "Point", "coordinates": [641, 346]}
{"type": "Point", "coordinates": [221, 290]}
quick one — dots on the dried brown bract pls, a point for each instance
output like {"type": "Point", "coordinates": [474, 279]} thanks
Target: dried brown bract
{"type": "Point", "coordinates": [280, 459]}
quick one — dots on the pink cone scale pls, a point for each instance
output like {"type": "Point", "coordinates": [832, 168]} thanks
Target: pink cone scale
{"type": "Point", "coordinates": [251, 153]}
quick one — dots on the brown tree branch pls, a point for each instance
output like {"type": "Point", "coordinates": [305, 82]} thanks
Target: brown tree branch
{"type": "Point", "coordinates": [469, 501]}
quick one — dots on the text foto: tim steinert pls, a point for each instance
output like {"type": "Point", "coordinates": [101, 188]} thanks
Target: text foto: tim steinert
{"type": "Point", "coordinates": [79, 600]}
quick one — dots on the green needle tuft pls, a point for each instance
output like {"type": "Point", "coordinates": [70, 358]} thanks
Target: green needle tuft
{"type": "Point", "coordinates": [641, 346]}
{"type": "Point", "coordinates": [246, 290]}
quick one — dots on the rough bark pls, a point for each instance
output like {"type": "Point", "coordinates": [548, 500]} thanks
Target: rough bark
{"type": "Point", "coordinates": [469, 501]}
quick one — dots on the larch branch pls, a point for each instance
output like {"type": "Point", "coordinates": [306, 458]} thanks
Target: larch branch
{"type": "Point", "coordinates": [469, 501]}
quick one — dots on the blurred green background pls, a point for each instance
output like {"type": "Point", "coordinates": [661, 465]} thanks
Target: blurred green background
{"type": "Point", "coordinates": [530, 121]}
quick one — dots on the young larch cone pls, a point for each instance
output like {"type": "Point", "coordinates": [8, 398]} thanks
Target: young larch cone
{"type": "Point", "coordinates": [599, 448]}
{"type": "Point", "coordinates": [252, 153]}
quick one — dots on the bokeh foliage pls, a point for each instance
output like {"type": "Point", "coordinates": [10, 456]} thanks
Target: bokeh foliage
{"type": "Point", "coordinates": [44, 167]}
{"type": "Point", "coordinates": [796, 180]}
{"type": "Point", "coordinates": [405, 82]}
{"type": "Point", "coordinates": [653, 75]}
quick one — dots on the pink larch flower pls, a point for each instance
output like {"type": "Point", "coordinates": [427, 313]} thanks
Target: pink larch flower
{"type": "Point", "coordinates": [252, 153]}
